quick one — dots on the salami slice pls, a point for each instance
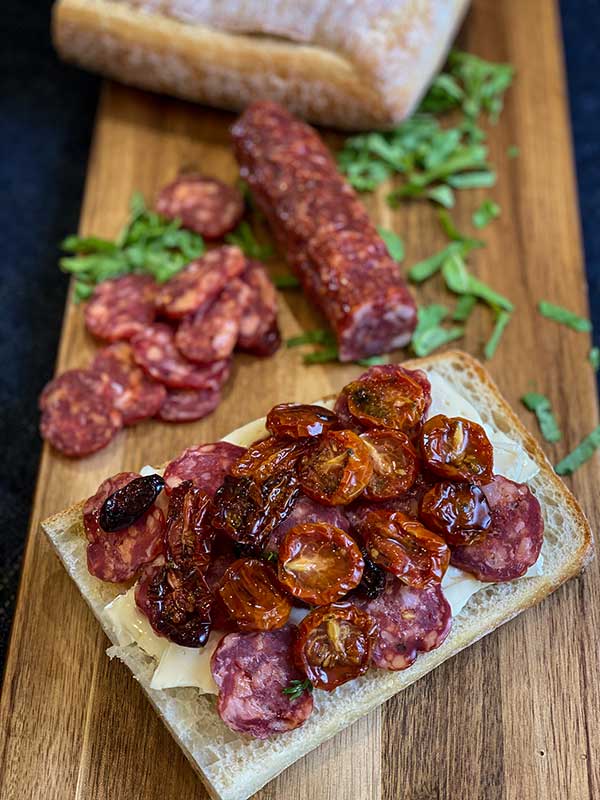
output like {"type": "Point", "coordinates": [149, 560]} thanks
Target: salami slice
{"type": "Point", "coordinates": [187, 405]}
{"type": "Point", "coordinates": [407, 503]}
{"type": "Point", "coordinates": [120, 308]}
{"type": "Point", "coordinates": [410, 621]}
{"type": "Point", "coordinates": [200, 282]}
{"type": "Point", "coordinates": [78, 415]}
{"type": "Point", "coordinates": [205, 465]}
{"type": "Point", "coordinates": [307, 510]}
{"type": "Point", "coordinates": [211, 333]}
{"type": "Point", "coordinates": [135, 395]}
{"type": "Point", "coordinates": [514, 540]}
{"type": "Point", "coordinates": [259, 332]}
{"type": "Point", "coordinates": [119, 556]}
{"type": "Point", "coordinates": [251, 671]}
{"type": "Point", "coordinates": [205, 205]}
{"type": "Point", "coordinates": [154, 350]}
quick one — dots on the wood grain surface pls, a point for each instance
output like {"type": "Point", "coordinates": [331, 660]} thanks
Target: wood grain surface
{"type": "Point", "coordinates": [516, 716]}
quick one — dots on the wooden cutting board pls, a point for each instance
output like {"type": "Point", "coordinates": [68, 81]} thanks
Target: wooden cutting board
{"type": "Point", "coordinates": [515, 716]}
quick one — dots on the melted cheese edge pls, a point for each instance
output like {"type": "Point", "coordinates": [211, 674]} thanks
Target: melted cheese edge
{"type": "Point", "coordinates": [184, 666]}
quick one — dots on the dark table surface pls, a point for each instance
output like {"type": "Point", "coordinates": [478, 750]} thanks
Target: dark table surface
{"type": "Point", "coordinates": [46, 119]}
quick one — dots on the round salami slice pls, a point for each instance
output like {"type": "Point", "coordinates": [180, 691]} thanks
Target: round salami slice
{"type": "Point", "coordinates": [513, 542]}
{"type": "Point", "coordinates": [187, 405]}
{"type": "Point", "coordinates": [259, 333]}
{"type": "Point", "coordinates": [251, 671]}
{"type": "Point", "coordinates": [78, 415]}
{"type": "Point", "coordinates": [135, 395]}
{"type": "Point", "coordinates": [307, 510]}
{"type": "Point", "coordinates": [205, 205]}
{"type": "Point", "coordinates": [200, 282]}
{"type": "Point", "coordinates": [410, 621]}
{"type": "Point", "coordinates": [118, 556]}
{"type": "Point", "coordinates": [154, 350]}
{"type": "Point", "coordinates": [210, 334]}
{"type": "Point", "coordinates": [205, 465]}
{"type": "Point", "coordinates": [407, 503]}
{"type": "Point", "coordinates": [120, 308]}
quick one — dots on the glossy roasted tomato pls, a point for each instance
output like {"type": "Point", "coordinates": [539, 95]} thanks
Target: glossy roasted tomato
{"type": "Point", "coordinates": [252, 597]}
{"type": "Point", "coordinates": [319, 563]}
{"type": "Point", "coordinates": [298, 421]}
{"type": "Point", "coordinates": [395, 463]}
{"type": "Point", "coordinates": [457, 449]}
{"type": "Point", "coordinates": [404, 547]}
{"type": "Point", "coordinates": [393, 400]}
{"type": "Point", "coordinates": [334, 644]}
{"type": "Point", "coordinates": [263, 459]}
{"type": "Point", "coordinates": [336, 469]}
{"type": "Point", "coordinates": [457, 511]}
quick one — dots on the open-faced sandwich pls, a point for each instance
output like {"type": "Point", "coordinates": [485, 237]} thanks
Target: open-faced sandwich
{"type": "Point", "coordinates": [269, 589]}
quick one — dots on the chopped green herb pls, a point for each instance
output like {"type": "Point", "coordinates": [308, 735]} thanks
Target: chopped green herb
{"type": "Point", "coordinates": [486, 212]}
{"type": "Point", "coordinates": [270, 555]}
{"type": "Point", "coordinates": [441, 194]}
{"type": "Point", "coordinates": [425, 269]}
{"type": "Point", "coordinates": [317, 336]}
{"type": "Point", "coordinates": [582, 453]}
{"type": "Point", "coordinates": [473, 180]}
{"type": "Point", "coordinates": [465, 305]}
{"type": "Point", "coordinates": [296, 688]}
{"type": "Point", "coordinates": [81, 291]}
{"type": "Point", "coordinates": [325, 354]}
{"type": "Point", "coordinates": [502, 320]}
{"type": "Point", "coordinates": [429, 335]}
{"type": "Point", "coordinates": [285, 282]}
{"type": "Point", "coordinates": [244, 238]}
{"type": "Point", "coordinates": [540, 405]}
{"type": "Point", "coordinates": [372, 361]}
{"type": "Point", "coordinates": [393, 242]}
{"type": "Point", "coordinates": [460, 281]}
{"type": "Point", "coordinates": [564, 316]}
{"type": "Point", "coordinates": [512, 151]}
{"type": "Point", "coordinates": [594, 358]}
{"type": "Point", "coordinates": [452, 232]}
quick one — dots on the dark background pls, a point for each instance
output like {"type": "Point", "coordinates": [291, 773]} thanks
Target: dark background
{"type": "Point", "coordinates": [46, 119]}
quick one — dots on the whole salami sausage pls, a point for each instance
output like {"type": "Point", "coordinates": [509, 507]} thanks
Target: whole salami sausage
{"type": "Point", "coordinates": [251, 671]}
{"type": "Point", "coordinates": [205, 205]}
{"type": "Point", "coordinates": [205, 465]}
{"type": "Point", "coordinates": [336, 252]}
{"type": "Point", "coordinates": [119, 555]}
{"type": "Point", "coordinates": [513, 542]}
{"type": "Point", "coordinates": [410, 621]}
{"type": "Point", "coordinates": [120, 308]}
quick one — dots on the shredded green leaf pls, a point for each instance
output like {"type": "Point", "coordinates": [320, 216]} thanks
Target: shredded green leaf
{"type": "Point", "coordinates": [244, 238]}
{"type": "Point", "coordinates": [473, 180]}
{"type": "Point", "coordinates": [296, 688]}
{"type": "Point", "coordinates": [285, 282]}
{"type": "Point", "coordinates": [502, 320]}
{"type": "Point", "coordinates": [393, 242]}
{"type": "Point", "coordinates": [425, 269]}
{"type": "Point", "coordinates": [429, 334]}
{"type": "Point", "coordinates": [460, 281]}
{"type": "Point", "coordinates": [594, 358]}
{"type": "Point", "coordinates": [582, 453]}
{"type": "Point", "coordinates": [465, 305]}
{"type": "Point", "coordinates": [317, 336]}
{"type": "Point", "coordinates": [564, 316]}
{"type": "Point", "coordinates": [540, 405]}
{"type": "Point", "coordinates": [486, 212]}
{"type": "Point", "coordinates": [441, 194]}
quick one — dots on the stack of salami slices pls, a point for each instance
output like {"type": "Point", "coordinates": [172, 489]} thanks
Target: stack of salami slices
{"type": "Point", "coordinates": [169, 347]}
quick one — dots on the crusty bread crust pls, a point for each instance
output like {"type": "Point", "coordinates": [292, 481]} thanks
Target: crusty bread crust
{"type": "Point", "coordinates": [244, 765]}
{"type": "Point", "coordinates": [362, 77]}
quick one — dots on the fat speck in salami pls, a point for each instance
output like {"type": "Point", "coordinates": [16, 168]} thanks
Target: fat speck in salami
{"type": "Point", "coordinates": [205, 205]}
{"type": "Point", "coordinates": [205, 465]}
{"type": "Point", "coordinates": [251, 671]}
{"type": "Point", "coordinates": [120, 308]}
{"type": "Point", "coordinates": [211, 333]}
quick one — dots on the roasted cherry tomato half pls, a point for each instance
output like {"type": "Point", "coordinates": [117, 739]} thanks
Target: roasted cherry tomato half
{"type": "Point", "coordinates": [404, 547]}
{"type": "Point", "coordinates": [263, 459]}
{"type": "Point", "coordinates": [252, 597]}
{"type": "Point", "coordinates": [395, 463]}
{"type": "Point", "coordinates": [190, 535]}
{"type": "Point", "coordinates": [457, 449]}
{"type": "Point", "coordinates": [457, 511]}
{"type": "Point", "coordinates": [319, 563]}
{"type": "Point", "coordinates": [334, 644]}
{"type": "Point", "coordinates": [336, 469]}
{"type": "Point", "coordinates": [298, 421]}
{"type": "Point", "coordinates": [389, 400]}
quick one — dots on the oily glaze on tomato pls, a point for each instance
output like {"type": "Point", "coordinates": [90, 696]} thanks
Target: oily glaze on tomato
{"type": "Point", "coordinates": [252, 597]}
{"type": "Point", "coordinates": [404, 547]}
{"type": "Point", "coordinates": [390, 400]}
{"type": "Point", "coordinates": [395, 463]}
{"type": "Point", "coordinates": [336, 469]}
{"type": "Point", "coordinates": [319, 563]}
{"type": "Point", "coordinates": [459, 512]}
{"type": "Point", "coordinates": [457, 449]}
{"type": "Point", "coordinates": [298, 421]}
{"type": "Point", "coordinates": [264, 458]}
{"type": "Point", "coordinates": [334, 644]}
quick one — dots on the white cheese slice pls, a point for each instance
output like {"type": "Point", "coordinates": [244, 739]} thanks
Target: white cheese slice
{"type": "Point", "coordinates": [130, 625]}
{"type": "Point", "coordinates": [149, 470]}
{"type": "Point", "coordinates": [187, 666]}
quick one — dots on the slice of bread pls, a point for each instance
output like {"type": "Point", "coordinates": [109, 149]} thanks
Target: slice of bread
{"type": "Point", "coordinates": [233, 767]}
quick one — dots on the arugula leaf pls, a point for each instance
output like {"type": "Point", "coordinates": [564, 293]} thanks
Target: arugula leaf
{"type": "Point", "coordinates": [296, 688]}
{"type": "Point", "coordinates": [425, 269]}
{"type": "Point", "coordinates": [285, 281]}
{"type": "Point", "coordinates": [483, 82]}
{"type": "Point", "coordinates": [486, 212]}
{"type": "Point", "coordinates": [429, 335]}
{"type": "Point", "coordinates": [465, 305]}
{"type": "Point", "coordinates": [87, 244]}
{"type": "Point", "coordinates": [317, 336]}
{"type": "Point", "coordinates": [452, 232]}
{"type": "Point", "coordinates": [244, 238]}
{"type": "Point", "coordinates": [564, 316]}
{"type": "Point", "coordinates": [594, 358]}
{"type": "Point", "coordinates": [441, 194]}
{"type": "Point", "coordinates": [540, 405]}
{"type": "Point", "coordinates": [394, 244]}
{"type": "Point", "coordinates": [473, 180]}
{"type": "Point", "coordinates": [582, 453]}
{"type": "Point", "coordinates": [502, 320]}
{"type": "Point", "coordinates": [460, 281]}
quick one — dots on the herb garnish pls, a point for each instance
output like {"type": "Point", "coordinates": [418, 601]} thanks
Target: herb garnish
{"type": "Point", "coordinates": [244, 238]}
{"type": "Point", "coordinates": [285, 282]}
{"type": "Point", "coordinates": [465, 305]}
{"type": "Point", "coordinates": [502, 320]}
{"type": "Point", "coordinates": [429, 334]}
{"type": "Point", "coordinates": [486, 212]}
{"type": "Point", "coordinates": [594, 358]}
{"type": "Point", "coordinates": [394, 244]}
{"type": "Point", "coordinates": [564, 316]}
{"type": "Point", "coordinates": [296, 688]}
{"type": "Point", "coordinates": [460, 281]}
{"type": "Point", "coordinates": [582, 453]}
{"type": "Point", "coordinates": [540, 405]}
